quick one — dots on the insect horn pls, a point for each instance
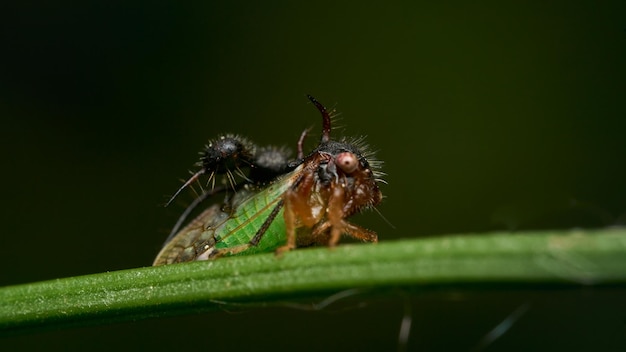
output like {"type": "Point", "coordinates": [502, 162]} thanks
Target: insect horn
{"type": "Point", "coordinates": [191, 179]}
{"type": "Point", "coordinates": [325, 118]}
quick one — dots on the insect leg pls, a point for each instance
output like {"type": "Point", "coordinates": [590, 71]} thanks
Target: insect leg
{"type": "Point", "coordinates": [290, 226]}
{"type": "Point", "coordinates": [189, 209]}
{"type": "Point", "coordinates": [266, 224]}
{"type": "Point", "coordinates": [335, 215]}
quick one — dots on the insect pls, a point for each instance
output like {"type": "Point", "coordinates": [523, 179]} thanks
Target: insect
{"type": "Point", "coordinates": [281, 204]}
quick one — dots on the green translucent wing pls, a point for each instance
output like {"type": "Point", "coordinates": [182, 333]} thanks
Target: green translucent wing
{"type": "Point", "coordinates": [216, 233]}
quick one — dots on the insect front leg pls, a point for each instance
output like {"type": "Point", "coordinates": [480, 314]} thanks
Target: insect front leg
{"type": "Point", "coordinates": [336, 225]}
{"type": "Point", "coordinates": [297, 211]}
{"type": "Point", "coordinates": [290, 225]}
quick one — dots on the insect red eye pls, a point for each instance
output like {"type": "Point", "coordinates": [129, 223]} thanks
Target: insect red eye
{"type": "Point", "coordinates": [347, 162]}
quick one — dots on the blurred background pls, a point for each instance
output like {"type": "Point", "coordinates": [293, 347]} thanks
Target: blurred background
{"type": "Point", "coordinates": [488, 116]}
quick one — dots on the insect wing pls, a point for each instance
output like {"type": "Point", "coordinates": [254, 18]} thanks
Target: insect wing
{"type": "Point", "coordinates": [183, 247]}
{"type": "Point", "coordinates": [215, 233]}
{"type": "Point", "coordinates": [260, 215]}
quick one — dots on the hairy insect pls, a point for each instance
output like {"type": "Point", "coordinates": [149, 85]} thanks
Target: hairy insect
{"type": "Point", "coordinates": [280, 204]}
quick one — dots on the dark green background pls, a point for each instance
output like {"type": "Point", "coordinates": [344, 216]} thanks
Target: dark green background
{"type": "Point", "coordinates": [487, 116]}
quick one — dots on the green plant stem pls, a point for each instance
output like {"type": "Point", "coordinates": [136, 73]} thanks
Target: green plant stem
{"type": "Point", "coordinates": [564, 258]}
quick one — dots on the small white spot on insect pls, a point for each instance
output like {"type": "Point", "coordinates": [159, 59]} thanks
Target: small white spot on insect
{"type": "Point", "coordinates": [208, 251]}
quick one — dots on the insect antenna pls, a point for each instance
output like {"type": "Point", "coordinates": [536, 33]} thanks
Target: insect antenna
{"type": "Point", "coordinates": [384, 218]}
{"type": "Point", "coordinates": [191, 179]}
{"type": "Point", "coordinates": [325, 118]}
{"type": "Point", "coordinates": [181, 219]}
